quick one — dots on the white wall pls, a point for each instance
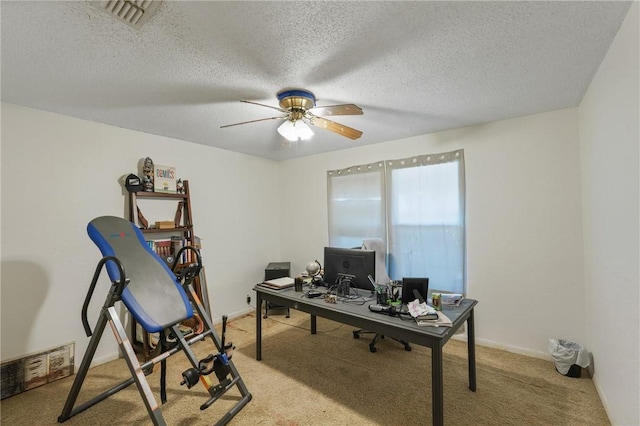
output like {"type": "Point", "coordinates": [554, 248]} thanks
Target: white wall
{"type": "Point", "coordinates": [609, 120]}
{"type": "Point", "coordinates": [522, 202]}
{"type": "Point", "coordinates": [524, 241]}
{"type": "Point", "coordinates": [58, 173]}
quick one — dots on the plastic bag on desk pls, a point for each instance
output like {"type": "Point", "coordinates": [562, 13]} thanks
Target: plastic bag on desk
{"type": "Point", "coordinates": [417, 309]}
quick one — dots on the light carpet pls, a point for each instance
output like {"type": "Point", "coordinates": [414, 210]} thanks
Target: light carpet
{"type": "Point", "coordinates": [332, 379]}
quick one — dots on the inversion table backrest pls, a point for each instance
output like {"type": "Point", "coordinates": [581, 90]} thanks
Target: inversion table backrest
{"type": "Point", "coordinates": [153, 296]}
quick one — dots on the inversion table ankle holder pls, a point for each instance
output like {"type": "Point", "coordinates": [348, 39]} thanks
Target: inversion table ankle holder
{"type": "Point", "coordinates": [159, 300]}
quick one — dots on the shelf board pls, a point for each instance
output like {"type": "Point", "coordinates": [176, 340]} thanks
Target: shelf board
{"type": "Point", "coordinates": [159, 230]}
{"type": "Point", "coordinates": [160, 195]}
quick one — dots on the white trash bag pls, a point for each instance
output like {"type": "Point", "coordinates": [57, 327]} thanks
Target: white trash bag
{"type": "Point", "coordinates": [569, 357]}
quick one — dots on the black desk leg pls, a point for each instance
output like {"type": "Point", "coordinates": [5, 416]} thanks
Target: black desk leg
{"type": "Point", "coordinates": [258, 326]}
{"type": "Point", "coordinates": [314, 327]}
{"type": "Point", "coordinates": [437, 384]}
{"type": "Point", "coordinates": [471, 344]}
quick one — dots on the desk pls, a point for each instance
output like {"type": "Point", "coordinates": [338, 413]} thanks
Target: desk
{"type": "Point", "coordinates": [359, 316]}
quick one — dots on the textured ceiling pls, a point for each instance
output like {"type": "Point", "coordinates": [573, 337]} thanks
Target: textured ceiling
{"type": "Point", "coordinates": [413, 67]}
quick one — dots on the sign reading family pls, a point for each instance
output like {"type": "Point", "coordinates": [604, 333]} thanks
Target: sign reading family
{"type": "Point", "coordinates": [164, 179]}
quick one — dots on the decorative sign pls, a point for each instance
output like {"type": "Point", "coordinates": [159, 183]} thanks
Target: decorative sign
{"type": "Point", "coordinates": [164, 179]}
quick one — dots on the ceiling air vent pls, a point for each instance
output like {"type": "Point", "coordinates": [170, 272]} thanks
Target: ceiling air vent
{"type": "Point", "coordinates": [132, 12]}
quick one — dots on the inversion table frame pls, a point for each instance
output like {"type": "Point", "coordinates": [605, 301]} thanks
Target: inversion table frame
{"type": "Point", "coordinates": [122, 244]}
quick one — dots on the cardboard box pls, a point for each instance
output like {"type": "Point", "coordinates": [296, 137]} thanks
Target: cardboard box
{"type": "Point", "coordinates": [165, 224]}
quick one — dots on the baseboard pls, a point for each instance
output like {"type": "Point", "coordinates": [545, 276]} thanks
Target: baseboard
{"type": "Point", "coordinates": [115, 355]}
{"type": "Point", "coordinates": [508, 348]}
{"type": "Point", "coordinates": [234, 315]}
{"type": "Point", "coordinates": [458, 336]}
{"type": "Point", "coordinates": [102, 360]}
{"type": "Point", "coordinates": [461, 336]}
{"type": "Point", "coordinates": [601, 395]}
{"type": "Point", "coordinates": [514, 349]}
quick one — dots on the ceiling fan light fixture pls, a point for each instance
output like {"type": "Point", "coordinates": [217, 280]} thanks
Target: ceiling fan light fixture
{"type": "Point", "coordinates": [295, 130]}
{"type": "Point", "coordinates": [300, 112]}
{"type": "Point", "coordinates": [297, 99]}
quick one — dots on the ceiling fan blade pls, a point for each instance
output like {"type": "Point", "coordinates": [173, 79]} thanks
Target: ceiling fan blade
{"type": "Point", "coordinates": [254, 121]}
{"type": "Point", "coordinates": [345, 109]}
{"type": "Point", "coordinates": [332, 126]}
{"type": "Point", "coordinates": [268, 106]}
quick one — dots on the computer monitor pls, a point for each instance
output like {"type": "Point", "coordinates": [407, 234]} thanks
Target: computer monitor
{"type": "Point", "coordinates": [410, 284]}
{"type": "Point", "coordinates": [355, 263]}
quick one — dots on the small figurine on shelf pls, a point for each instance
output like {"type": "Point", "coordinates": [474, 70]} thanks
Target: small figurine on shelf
{"type": "Point", "coordinates": [147, 184]}
{"type": "Point", "coordinates": [179, 186]}
{"type": "Point", "coordinates": [147, 172]}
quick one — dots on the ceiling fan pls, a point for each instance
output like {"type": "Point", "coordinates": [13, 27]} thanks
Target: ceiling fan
{"type": "Point", "coordinates": [299, 110]}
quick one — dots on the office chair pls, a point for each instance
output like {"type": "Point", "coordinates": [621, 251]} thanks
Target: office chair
{"type": "Point", "coordinates": [377, 245]}
{"type": "Point", "coordinates": [159, 300]}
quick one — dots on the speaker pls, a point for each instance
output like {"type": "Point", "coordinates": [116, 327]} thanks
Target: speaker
{"type": "Point", "coordinates": [277, 270]}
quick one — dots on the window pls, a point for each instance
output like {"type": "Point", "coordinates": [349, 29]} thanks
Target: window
{"type": "Point", "coordinates": [357, 204]}
{"type": "Point", "coordinates": [416, 205]}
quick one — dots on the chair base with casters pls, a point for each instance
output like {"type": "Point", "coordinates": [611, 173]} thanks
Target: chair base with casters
{"type": "Point", "coordinates": [379, 246]}
{"type": "Point", "coordinates": [376, 339]}
{"type": "Point", "coordinates": [160, 301]}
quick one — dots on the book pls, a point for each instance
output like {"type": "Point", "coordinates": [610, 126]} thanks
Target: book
{"type": "Point", "coordinates": [197, 242]}
{"type": "Point", "coordinates": [177, 219]}
{"type": "Point", "coordinates": [176, 244]}
{"type": "Point", "coordinates": [163, 248]}
{"type": "Point", "coordinates": [442, 321]}
{"type": "Point", "coordinates": [452, 299]}
{"type": "Point", "coordinates": [429, 316]}
{"type": "Point", "coordinates": [164, 179]}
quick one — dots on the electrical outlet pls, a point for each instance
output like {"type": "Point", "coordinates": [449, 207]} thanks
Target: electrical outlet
{"type": "Point", "coordinates": [248, 299]}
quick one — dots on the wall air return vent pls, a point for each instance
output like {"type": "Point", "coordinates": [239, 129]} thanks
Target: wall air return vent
{"type": "Point", "coordinates": [132, 12]}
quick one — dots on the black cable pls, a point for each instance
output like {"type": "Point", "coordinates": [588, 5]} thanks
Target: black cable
{"type": "Point", "coordinates": [360, 300]}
